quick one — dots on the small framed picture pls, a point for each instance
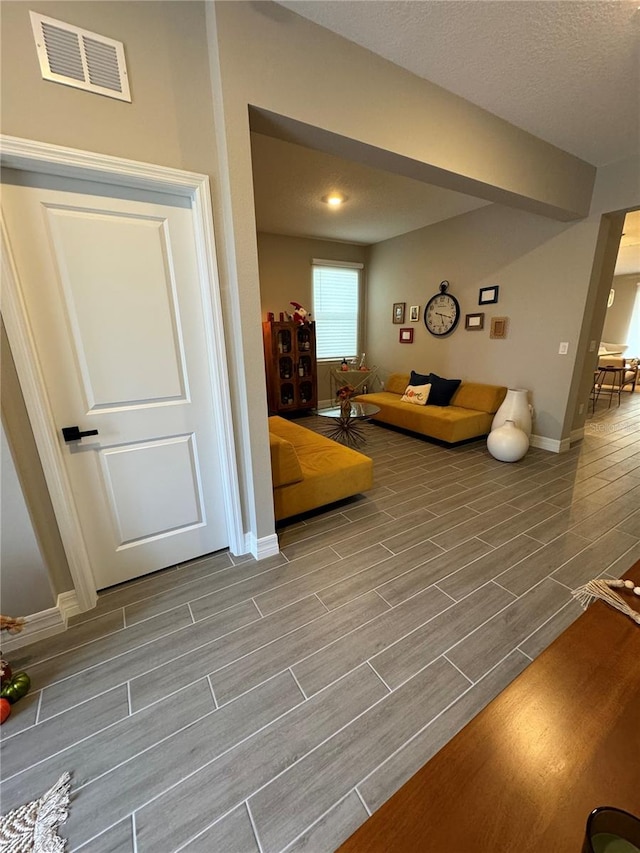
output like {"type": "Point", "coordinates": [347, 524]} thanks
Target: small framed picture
{"type": "Point", "coordinates": [414, 313]}
{"type": "Point", "coordinates": [398, 312]}
{"type": "Point", "coordinates": [406, 336]}
{"type": "Point", "coordinates": [499, 327]}
{"type": "Point", "coordinates": [488, 295]}
{"type": "Point", "coordinates": [474, 322]}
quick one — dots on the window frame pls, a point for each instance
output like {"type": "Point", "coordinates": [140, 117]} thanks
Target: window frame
{"type": "Point", "coordinates": [359, 267]}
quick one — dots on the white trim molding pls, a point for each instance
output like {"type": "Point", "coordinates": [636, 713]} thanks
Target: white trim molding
{"type": "Point", "coordinates": [33, 156]}
{"type": "Point", "coordinates": [68, 605]}
{"type": "Point", "coordinates": [42, 422]}
{"type": "Point", "coordinates": [262, 548]}
{"type": "Point", "coordinates": [45, 623]}
{"type": "Point", "coordinates": [553, 444]}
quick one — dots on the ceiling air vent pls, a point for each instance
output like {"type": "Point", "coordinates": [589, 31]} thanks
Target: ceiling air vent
{"type": "Point", "coordinates": [79, 58]}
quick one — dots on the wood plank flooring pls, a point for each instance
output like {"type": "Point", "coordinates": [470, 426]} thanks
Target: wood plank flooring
{"type": "Point", "coordinates": [254, 707]}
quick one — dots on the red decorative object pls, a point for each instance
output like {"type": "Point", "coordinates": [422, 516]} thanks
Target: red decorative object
{"type": "Point", "coordinates": [406, 336]}
{"type": "Point", "coordinates": [300, 315]}
{"type": "Point", "coordinates": [5, 710]}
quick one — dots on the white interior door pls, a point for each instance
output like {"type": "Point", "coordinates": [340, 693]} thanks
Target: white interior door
{"type": "Point", "coordinates": [111, 285]}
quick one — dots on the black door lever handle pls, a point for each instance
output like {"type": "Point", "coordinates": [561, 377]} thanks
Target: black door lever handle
{"type": "Point", "coordinates": [73, 433]}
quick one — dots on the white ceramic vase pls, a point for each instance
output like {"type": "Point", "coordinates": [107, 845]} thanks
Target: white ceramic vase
{"type": "Point", "coordinates": [515, 407]}
{"type": "Point", "coordinates": [507, 443]}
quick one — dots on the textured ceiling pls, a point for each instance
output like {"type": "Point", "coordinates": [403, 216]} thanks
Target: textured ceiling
{"type": "Point", "coordinates": [567, 71]}
{"type": "Point", "coordinates": [290, 181]}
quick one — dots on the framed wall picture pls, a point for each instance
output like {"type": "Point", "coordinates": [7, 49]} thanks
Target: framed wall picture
{"type": "Point", "coordinates": [499, 327]}
{"type": "Point", "coordinates": [406, 336]}
{"type": "Point", "coordinates": [488, 295]}
{"type": "Point", "coordinates": [414, 313]}
{"type": "Point", "coordinates": [474, 322]}
{"type": "Point", "coordinates": [398, 312]}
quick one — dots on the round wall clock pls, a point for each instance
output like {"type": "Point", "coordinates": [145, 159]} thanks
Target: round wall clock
{"type": "Point", "coordinates": [442, 312]}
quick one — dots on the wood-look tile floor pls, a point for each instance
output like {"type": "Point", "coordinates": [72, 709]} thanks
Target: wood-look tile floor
{"type": "Point", "coordinates": [235, 706]}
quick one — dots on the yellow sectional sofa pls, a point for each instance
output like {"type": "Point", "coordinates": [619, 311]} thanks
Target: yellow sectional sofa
{"type": "Point", "coordinates": [311, 470]}
{"type": "Point", "coordinates": [469, 415]}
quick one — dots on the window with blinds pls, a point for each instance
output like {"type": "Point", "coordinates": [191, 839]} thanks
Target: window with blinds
{"type": "Point", "coordinates": [336, 308]}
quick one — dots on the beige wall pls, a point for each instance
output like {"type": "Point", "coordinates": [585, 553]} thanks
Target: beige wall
{"type": "Point", "coordinates": [285, 268]}
{"type": "Point", "coordinates": [542, 269]}
{"type": "Point", "coordinates": [616, 192]}
{"type": "Point", "coordinates": [265, 57]}
{"type": "Point", "coordinates": [271, 62]}
{"type": "Point", "coordinates": [170, 120]}
{"type": "Point", "coordinates": [25, 580]}
{"type": "Point", "coordinates": [285, 275]}
{"type": "Point", "coordinates": [618, 317]}
{"type": "Point", "coordinates": [277, 61]}
{"type": "Point", "coordinates": [554, 280]}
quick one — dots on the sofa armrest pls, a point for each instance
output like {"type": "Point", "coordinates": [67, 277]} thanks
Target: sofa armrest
{"type": "Point", "coordinates": [285, 465]}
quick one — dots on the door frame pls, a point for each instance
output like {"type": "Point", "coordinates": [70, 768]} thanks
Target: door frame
{"type": "Point", "coordinates": [33, 156]}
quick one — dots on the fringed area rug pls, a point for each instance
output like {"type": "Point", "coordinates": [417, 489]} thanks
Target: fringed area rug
{"type": "Point", "coordinates": [33, 828]}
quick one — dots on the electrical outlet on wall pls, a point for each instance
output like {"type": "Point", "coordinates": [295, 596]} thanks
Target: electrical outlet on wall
{"type": "Point", "coordinates": [581, 409]}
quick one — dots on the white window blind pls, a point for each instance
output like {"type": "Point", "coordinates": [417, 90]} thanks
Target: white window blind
{"type": "Point", "coordinates": [336, 308]}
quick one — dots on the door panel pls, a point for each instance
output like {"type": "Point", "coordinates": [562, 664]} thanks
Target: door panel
{"type": "Point", "coordinates": [114, 299]}
{"type": "Point", "coordinates": [126, 296]}
{"type": "Point", "coordinates": [144, 481]}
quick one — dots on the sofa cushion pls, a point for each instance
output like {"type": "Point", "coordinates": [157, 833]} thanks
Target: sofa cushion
{"type": "Point", "coordinates": [482, 398]}
{"type": "Point", "coordinates": [329, 471]}
{"type": "Point", "coordinates": [445, 423]}
{"type": "Point", "coordinates": [418, 378]}
{"type": "Point", "coordinates": [442, 390]}
{"type": "Point", "coordinates": [397, 382]}
{"type": "Point", "coordinates": [417, 395]}
{"type": "Point", "coordinates": [285, 466]}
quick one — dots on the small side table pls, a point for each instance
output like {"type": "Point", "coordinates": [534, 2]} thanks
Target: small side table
{"type": "Point", "coordinates": [349, 429]}
{"type": "Point", "coordinates": [356, 378]}
{"type": "Point", "coordinates": [614, 377]}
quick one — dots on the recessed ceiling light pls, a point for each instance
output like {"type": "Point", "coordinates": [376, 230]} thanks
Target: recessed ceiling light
{"type": "Point", "coordinates": [334, 199]}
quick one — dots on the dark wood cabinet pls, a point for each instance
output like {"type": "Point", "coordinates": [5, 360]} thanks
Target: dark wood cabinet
{"type": "Point", "coordinates": [290, 363]}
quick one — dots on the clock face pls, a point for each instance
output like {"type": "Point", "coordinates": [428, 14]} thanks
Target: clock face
{"type": "Point", "coordinates": [441, 314]}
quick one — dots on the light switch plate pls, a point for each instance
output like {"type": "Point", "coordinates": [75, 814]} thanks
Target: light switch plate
{"type": "Point", "coordinates": [564, 348]}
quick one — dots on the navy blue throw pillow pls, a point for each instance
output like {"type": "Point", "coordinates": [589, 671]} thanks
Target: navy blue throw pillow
{"type": "Point", "coordinates": [442, 390]}
{"type": "Point", "coordinates": [419, 378]}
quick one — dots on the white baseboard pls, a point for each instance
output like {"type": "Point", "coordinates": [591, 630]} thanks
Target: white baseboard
{"type": "Point", "coordinates": [553, 444]}
{"type": "Point", "coordinates": [68, 605]}
{"type": "Point", "coordinates": [46, 623]}
{"type": "Point", "coordinates": [262, 548]}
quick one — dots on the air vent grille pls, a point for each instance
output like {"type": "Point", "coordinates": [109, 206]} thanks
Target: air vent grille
{"type": "Point", "coordinates": [63, 52]}
{"type": "Point", "coordinates": [79, 58]}
{"type": "Point", "coordinates": [102, 64]}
